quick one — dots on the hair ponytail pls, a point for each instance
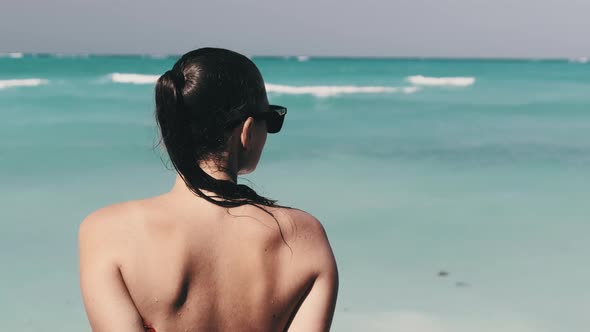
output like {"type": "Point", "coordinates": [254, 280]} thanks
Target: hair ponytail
{"type": "Point", "coordinates": [189, 135]}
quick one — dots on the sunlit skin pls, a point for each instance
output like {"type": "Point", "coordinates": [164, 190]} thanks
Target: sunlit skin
{"type": "Point", "coordinates": [176, 262]}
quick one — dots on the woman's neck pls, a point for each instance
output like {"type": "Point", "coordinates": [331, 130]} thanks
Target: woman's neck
{"type": "Point", "coordinates": [217, 170]}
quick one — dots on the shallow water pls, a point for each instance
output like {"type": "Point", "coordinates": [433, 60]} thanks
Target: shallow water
{"type": "Point", "coordinates": [487, 181]}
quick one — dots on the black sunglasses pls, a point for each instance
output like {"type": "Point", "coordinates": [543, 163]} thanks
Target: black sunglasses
{"type": "Point", "coordinates": [274, 117]}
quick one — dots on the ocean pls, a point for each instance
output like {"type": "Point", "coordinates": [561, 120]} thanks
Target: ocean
{"type": "Point", "coordinates": [455, 192]}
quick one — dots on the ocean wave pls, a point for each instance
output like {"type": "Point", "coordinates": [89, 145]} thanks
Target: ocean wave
{"type": "Point", "coordinates": [157, 56]}
{"type": "Point", "coordinates": [329, 91]}
{"type": "Point", "coordinates": [317, 90]}
{"type": "Point", "coordinates": [302, 58]}
{"type": "Point", "coordinates": [440, 81]}
{"type": "Point", "coordinates": [133, 78]}
{"type": "Point", "coordinates": [25, 82]}
{"type": "Point", "coordinates": [12, 55]}
{"type": "Point", "coordinates": [70, 55]}
{"type": "Point", "coordinates": [582, 59]}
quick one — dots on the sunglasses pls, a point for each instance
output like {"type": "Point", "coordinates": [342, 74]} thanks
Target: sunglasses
{"type": "Point", "coordinates": [274, 117]}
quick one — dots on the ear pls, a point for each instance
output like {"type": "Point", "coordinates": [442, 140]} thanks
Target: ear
{"type": "Point", "coordinates": [246, 135]}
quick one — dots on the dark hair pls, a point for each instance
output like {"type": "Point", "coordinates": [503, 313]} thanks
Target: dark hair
{"type": "Point", "coordinates": [195, 101]}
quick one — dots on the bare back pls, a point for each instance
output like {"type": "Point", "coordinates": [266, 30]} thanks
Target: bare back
{"type": "Point", "coordinates": [196, 267]}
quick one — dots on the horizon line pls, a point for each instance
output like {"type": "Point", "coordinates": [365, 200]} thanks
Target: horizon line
{"type": "Point", "coordinates": [299, 56]}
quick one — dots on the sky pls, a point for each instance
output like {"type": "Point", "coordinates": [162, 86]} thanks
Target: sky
{"type": "Point", "coordinates": [399, 28]}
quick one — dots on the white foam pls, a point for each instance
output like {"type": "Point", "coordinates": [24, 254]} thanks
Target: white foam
{"type": "Point", "coordinates": [315, 90]}
{"type": "Point", "coordinates": [133, 78]}
{"type": "Point", "coordinates": [25, 82]}
{"type": "Point", "coordinates": [440, 81]}
{"type": "Point", "coordinates": [70, 55]}
{"type": "Point", "coordinates": [12, 55]}
{"type": "Point", "coordinates": [328, 91]}
{"type": "Point", "coordinates": [302, 58]}
{"type": "Point", "coordinates": [582, 59]}
{"type": "Point", "coordinates": [410, 89]}
{"type": "Point", "coordinates": [156, 56]}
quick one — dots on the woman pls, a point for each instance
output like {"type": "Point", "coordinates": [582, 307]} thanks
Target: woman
{"type": "Point", "coordinates": [210, 254]}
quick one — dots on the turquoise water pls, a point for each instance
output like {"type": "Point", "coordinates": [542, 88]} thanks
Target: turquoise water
{"type": "Point", "coordinates": [484, 176]}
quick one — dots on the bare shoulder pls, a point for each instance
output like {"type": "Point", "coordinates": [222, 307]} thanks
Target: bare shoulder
{"type": "Point", "coordinates": [305, 227]}
{"type": "Point", "coordinates": [309, 240]}
{"type": "Point", "coordinates": [110, 217]}
{"type": "Point", "coordinates": [108, 228]}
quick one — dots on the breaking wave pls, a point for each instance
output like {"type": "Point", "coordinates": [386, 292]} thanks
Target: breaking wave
{"type": "Point", "coordinates": [133, 78]}
{"type": "Point", "coordinates": [328, 91]}
{"type": "Point", "coordinates": [13, 55]}
{"type": "Point", "coordinates": [583, 59]}
{"type": "Point", "coordinates": [25, 82]}
{"type": "Point", "coordinates": [315, 90]}
{"type": "Point", "coordinates": [440, 81]}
